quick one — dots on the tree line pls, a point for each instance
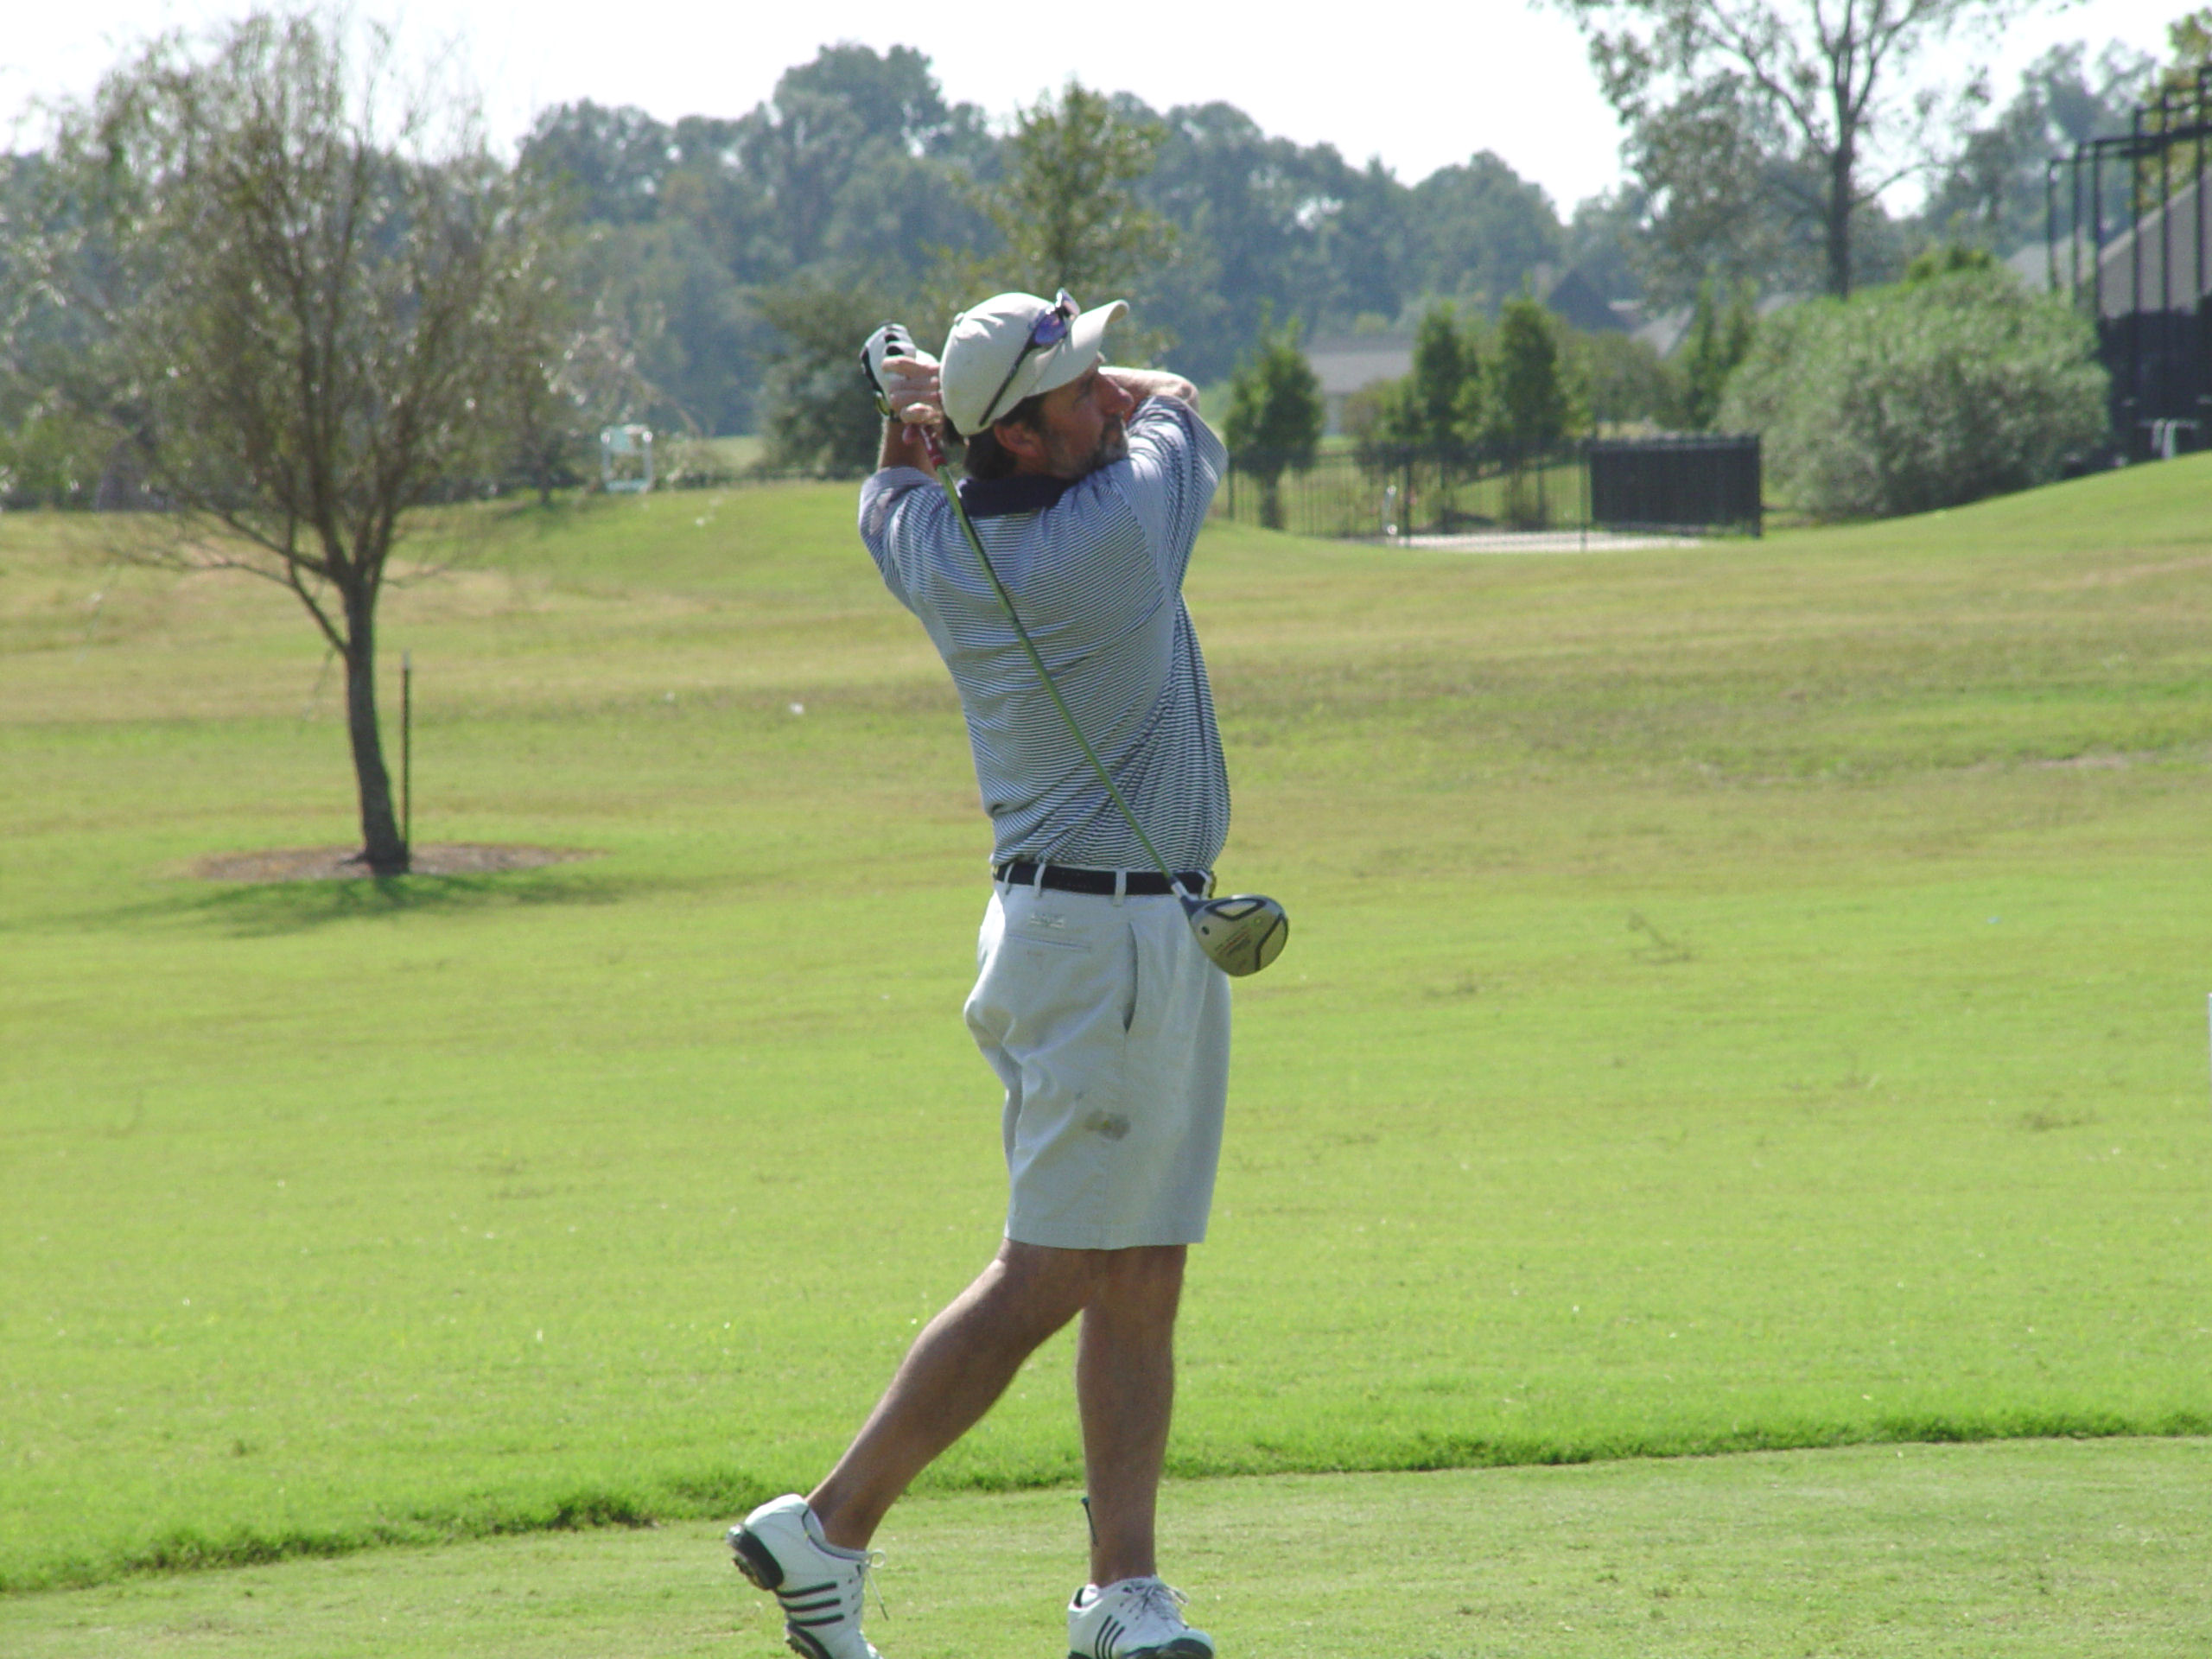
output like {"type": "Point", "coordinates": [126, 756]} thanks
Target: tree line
{"type": "Point", "coordinates": [715, 249]}
{"type": "Point", "coordinates": [856, 177]}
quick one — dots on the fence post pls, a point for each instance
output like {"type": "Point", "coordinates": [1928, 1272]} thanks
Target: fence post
{"type": "Point", "coordinates": [1759, 486]}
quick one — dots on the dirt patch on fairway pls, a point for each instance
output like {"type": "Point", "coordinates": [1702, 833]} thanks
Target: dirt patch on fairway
{"type": "Point", "coordinates": [2083, 763]}
{"type": "Point", "coordinates": [343, 863]}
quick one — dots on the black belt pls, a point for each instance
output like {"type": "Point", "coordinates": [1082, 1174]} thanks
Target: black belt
{"type": "Point", "coordinates": [1068, 878]}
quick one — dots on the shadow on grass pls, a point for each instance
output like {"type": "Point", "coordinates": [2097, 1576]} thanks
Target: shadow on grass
{"type": "Point", "coordinates": [272, 909]}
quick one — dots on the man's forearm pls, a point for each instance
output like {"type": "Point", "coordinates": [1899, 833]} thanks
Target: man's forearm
{"type": "Point", "coordinates": [902, 447]}
{"type": "Point", "coordinates": [1141, 384]}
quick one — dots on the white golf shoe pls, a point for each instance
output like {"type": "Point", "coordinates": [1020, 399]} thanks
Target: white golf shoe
{"type": "Point", "coordinates": [1137, 1618]}
{"type": "Point", "coordinates": [780, 1548]}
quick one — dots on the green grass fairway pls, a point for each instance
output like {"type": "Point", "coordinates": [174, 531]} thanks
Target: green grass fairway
{"type": "Point", "coordinates": [2027, 1550]}
{"type": "Point", "coordinates": [1739, 998]}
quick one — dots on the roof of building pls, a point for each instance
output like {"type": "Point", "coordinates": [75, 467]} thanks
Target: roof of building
{"type": "Point", "coordinates": [1576, 299]}
{"type": "Point", "coordinates": [1348, 363]}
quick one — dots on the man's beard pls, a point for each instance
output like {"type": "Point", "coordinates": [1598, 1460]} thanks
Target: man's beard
{"type": "Point", "coordinates": [1113, 445]}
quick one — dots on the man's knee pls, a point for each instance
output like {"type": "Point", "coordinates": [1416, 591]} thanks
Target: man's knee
{"type": "Point", "coordinates": [1039, 1287]}
{"type": "Point", "coordinates": [1147, 1279]}
{"type": "Point", "coordinates": [1069, 1281]}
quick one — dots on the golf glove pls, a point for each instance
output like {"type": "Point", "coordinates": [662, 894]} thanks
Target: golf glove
{"type": "Point", "coordinates": [903, 376]}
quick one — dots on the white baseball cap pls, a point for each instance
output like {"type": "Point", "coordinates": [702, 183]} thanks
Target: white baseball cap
{"type": "Point", "coordinates": [1013, 347]}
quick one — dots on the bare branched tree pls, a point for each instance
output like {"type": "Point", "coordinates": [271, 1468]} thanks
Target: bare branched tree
{"type": "Point", "coordinates": [303, 299]}
{"type": "Point", "coordinates": [1807, 102]}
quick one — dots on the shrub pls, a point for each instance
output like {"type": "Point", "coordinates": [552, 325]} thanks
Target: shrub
{"type": "Point", "coordinates": [1718, 343]}
{"type": "Point", "coordinates": [1626, 383]}
{"type": "Point", "coordinates": [1925, 395]}
{"type": "Point", "coordinates": [1275, 414]}
{"type": "Point", "coordinates": [51, 458]}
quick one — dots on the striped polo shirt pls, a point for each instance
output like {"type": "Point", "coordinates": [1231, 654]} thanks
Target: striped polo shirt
{"type": "Point", "coordinates": [1096, 569]}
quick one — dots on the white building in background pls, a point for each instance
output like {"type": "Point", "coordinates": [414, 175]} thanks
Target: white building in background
{"type": "Point", "coordinates": [1348, 363]}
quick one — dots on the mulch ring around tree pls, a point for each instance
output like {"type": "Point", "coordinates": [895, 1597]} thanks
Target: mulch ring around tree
{"type": "Point", "coordinates": [344, 863]}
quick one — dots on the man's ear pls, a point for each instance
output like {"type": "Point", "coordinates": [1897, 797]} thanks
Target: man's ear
{"type": "Point", "coordinates": [1024, 443]}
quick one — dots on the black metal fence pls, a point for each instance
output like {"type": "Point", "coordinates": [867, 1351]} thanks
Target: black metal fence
{"type": "Point", "coordinates": [2138, 260]}
{"type": "Point", "coordinates": [1391, 493]}
{"type": "Point", "coordinates": [1700, 484]}
{"type": "Point", "coordinates": [1704, 482]}
{"type": "Point", "coordinates": [2161, 367]}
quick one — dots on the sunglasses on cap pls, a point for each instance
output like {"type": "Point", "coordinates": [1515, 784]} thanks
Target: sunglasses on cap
{"type": "Point", "coordinates": [1049, 330]}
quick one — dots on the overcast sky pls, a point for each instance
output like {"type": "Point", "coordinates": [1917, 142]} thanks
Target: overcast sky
{"type": "Point", "coordinates": [1419, 87]}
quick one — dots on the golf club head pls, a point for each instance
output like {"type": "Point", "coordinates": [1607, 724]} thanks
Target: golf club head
{"type": "Point", "coordinates": [1242, 934]}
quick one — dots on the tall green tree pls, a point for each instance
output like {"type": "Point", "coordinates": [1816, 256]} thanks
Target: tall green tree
{"type": "Point", "coordinates": [1530, 407]}
{"type": "Point", "coordinates": [1720, 338]}
{"type": "Point", "coordinates": [1601, 242]}
{"type": "Point", "coordinates": [1477, 230]}
{"type": "Point", "coordinates": [854, 163]}
{"type": "Point", "coordinates": [2189, 40]}
{"type": "Point", "coordinates": [299, 306]}
{"type": "Point", "coordinates": [1068, 206]}
{"type": "Point", "coordinates": [1802, 107]}
{"type": "Point", "coordinates": [1437, 409]}
{"type": "Point", "coordinates": [1256, 218]}
{"type": "Point", "coordinates": [1724, 198]}
{"type": "Point", "coordinates": [818, 418]}
{"type": "Point", "coordinates": [1990, 191]}
{"type": "Point", "coordinates": [1275, 416]}
{"type": "Point", "coordinates": [1444, 391]}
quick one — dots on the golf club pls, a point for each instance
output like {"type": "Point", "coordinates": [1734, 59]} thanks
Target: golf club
{"type": "Point", "coordinates": [1240, 934]}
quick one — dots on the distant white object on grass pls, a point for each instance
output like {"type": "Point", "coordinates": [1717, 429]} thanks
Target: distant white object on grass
{"type": "Point", "coordinates": [798, 707]}
{"type": "Point", "coordinates": [625, 459]}
{"type": "Point", "coordinates": [1546, 541]}
{"type": "Point", "coordinates": [2165, 437]}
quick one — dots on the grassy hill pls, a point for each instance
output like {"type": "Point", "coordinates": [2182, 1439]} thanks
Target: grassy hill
{"type": "Point", "coordinates": [1749, 996]}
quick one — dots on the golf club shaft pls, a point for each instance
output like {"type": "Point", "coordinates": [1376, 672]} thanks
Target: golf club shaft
{"type": "Point", "coordinates": [943, 467]}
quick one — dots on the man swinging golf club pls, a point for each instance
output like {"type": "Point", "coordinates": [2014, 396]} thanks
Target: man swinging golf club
{"type": "Point", "coordinates": [1052, 585]}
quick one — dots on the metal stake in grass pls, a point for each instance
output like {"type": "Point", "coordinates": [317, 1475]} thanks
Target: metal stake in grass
{"type": "Point", "coordinates": [407, 749]}
{"type": "Point", "coordinates": [1241, 934]}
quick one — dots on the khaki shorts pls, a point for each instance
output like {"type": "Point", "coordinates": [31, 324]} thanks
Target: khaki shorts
{"type": "Point", "coordinates": [1109, 1028]}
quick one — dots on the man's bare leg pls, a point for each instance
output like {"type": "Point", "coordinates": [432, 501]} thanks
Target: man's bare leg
{"type": "Point", "coordinates": [1125, 1388]}
{"type": "Point", "coordinates": [956, 1370]}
